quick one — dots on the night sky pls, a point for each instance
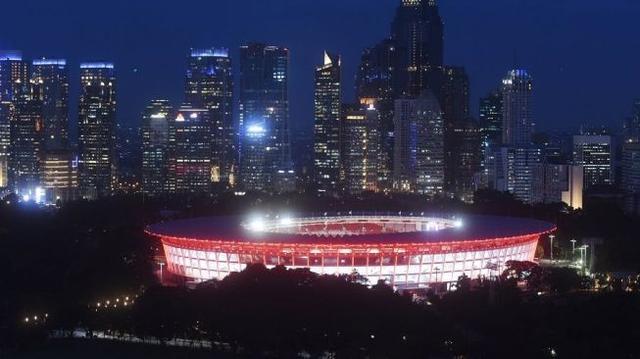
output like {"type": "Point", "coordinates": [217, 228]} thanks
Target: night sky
{"type": "Point", "coordinates": [584, 55]}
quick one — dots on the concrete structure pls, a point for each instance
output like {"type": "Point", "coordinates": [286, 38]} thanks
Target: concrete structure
{"type": "Point", "coordinates": [405, 251]}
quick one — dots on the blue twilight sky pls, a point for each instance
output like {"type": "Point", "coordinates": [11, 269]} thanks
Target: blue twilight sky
{"type": "Point", "coordinates": [584, 55]}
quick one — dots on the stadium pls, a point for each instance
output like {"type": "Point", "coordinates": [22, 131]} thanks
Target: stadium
{"type": "Point", "coordinates": [406, 251]}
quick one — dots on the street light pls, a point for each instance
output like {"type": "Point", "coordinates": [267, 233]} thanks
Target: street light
{"type": "Point", "coordinates": [161, 265]}
{"type": "Point", "coordinates": [583, 255]}
{"type": "Point", "coordinates": [551, 237]}
{"type": "Point", "coordinates": [573, 246]}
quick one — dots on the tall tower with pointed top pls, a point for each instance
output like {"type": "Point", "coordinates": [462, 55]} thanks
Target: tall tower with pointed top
{"type": "Point", "coordinates": [327, 102]}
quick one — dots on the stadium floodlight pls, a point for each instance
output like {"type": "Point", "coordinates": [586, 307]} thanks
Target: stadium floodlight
{"type": "Point", "coordinates": [256, 224]}
{"type": "Point", "coordinates": [286, 220]}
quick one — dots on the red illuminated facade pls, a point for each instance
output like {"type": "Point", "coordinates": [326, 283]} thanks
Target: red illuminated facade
{"type": "Point", "coordinates": [407, 252]}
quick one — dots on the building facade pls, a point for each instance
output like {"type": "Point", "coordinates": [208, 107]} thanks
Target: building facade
{"type": "Point", "coordinates": [555, 183]}
{"type": "Point", "coordinates": [7, 111]}
{"type": "Point", "coordinates": [190, 151]}
{"type": "Point", "coordinates": [417, 30]}
{"type": "Point", "coordinates": [593, 152]}
{"type": "Point", "coordinates": [376, 83]}
{"type": "Point", "coordinates": [631, 176]}
{"type": "Point", "coordinates": [360, 149]}
{"type": "Point", "coordinates": [419, 146]}
{"type": "Point", "coordinates": [264, 117]}
{"type": "Point", "coordinates": [25, 151]}
{"type": "Point", "coordinates": [97, 129]}
{"type": "Point", "coordinates": [59, 176]}
{"type": "Point", "coordinates": [155, 147]}
{"type": "Point", "coordinates": [209, 85]}
{"type": "Point", "coordinates": [326, 143]}
{"type": "Point", "coordinates": [51, 80]}
{"type": "Point", "coordinates": [513, 170]}
{"type": "Point", "coordinates": [517, 121]}
{"type": "Point", "coordinates": [14, 74]}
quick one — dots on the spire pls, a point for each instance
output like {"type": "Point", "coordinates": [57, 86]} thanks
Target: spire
{"type": "Point", "coordinates": [331, 59]}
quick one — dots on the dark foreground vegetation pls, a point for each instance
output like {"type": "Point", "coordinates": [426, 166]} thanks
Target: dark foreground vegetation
{"type": "Point", "coordinates": [60, 262]}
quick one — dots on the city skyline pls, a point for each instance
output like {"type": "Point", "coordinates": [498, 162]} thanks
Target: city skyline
{"type": "Point", "coordinates": [472, 39]}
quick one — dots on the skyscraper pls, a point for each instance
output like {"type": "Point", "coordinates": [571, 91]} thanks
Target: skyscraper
{"type": "Point", "coordinates": [593, 153]}
{"type": "Point", "coordinates": [555, 183]}
{"type": "Point", "coordinates": [155, 147]}
{"type": "Point", "coordinates": [327, 102]}
{"type": "Point", "coordinates": [517, 121]}
{"type": "Point", "coordinates": [209, 85]}
{"type": "Point", "coordinates": [490, 128]}
{"type": "Point", "coordinates": [50, 77]}
{"type": "Point", "coordinates": [513, 170]}
{"type": "Point", "coordinates": [377, 84]}
{"type": "Point", "coordinates": [465, 162]}
{"type": "Point", "coordinates": [97, 129]}
{"type": "Point", "coordinates": [419, 145]}
{"type": "Point", "coordinates": [461, 137]}
{"type": "Point", "coordinates": [190, 151]}
{"type": "Point", "coordinates": [418, 33]}
{"type": "Point", "coordinates": [631, 176]}
{"type": "Point", "coordinates": [491, 119]}
{"type": "Point", "coordinates": [632, 124]}
{"type": "Point", "coordinates": [14, 75]}
{"type": "Point", "coordinates": [264, 115]}
{"type": "Point", "coordinates": [360, 148]}
{"type": "Point", "coordinates": [7, 111]}
{"type": "Point", "coordinates": [59, 176]}
{"type": "Point", "coordinates": [25, 152]}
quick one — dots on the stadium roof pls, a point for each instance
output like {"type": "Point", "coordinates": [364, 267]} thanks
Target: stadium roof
{"type": "Point", "coordinates": [231, 229]}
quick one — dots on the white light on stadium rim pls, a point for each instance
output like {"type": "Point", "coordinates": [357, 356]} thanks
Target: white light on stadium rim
{"type": "Point", "coordinates": [286, 221]}
{"type": "Point", "coordinates": [256, 224]}
{"type": "Point", "coordinates": [458, 223]}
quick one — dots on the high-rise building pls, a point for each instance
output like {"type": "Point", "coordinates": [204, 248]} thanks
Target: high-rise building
{"type": "Point", "coordinates": [190, 151]}
{"type": "Point", "coordinates": [209, 85]}
{"type": "Point", "coordinates": [631, 176]}
{"type": "Point", "coordinates": [491, 119]}
{"type": "Point", "coordinates": [555, 183]}
{"type": "Point", "coordinates": [360, 149]}
{"type": "Point", "coordinates": [419, 145]}
{"type": "Point", "coordinates": [466, 160]}
{"type": "Point", "coordinates": [25, 151]}
{"type": "Point", "coordinates": [593, 153]}
{"type": "Point", "coordinates": [376, 83]}
{"type": "Point", "coordinates": [155, 147]}
{"type": "Point", "coordinates": [264, 117]}
{"type": "Point", "coordinates": [632, 124]}
{"type": "Point", "coordinates": [517, 121]}
{"type": "Point", "coordinates": [14, 75]}
{"type": "Point", "coordinates": [513, 170]}
{"type": "Point", "coordinates": [461, 137]}
{"type": "Point", "coordinates": [7, 111]}
{"type": "Point", "coordinates": [97, 129]}
{"type": "Point", "coordinates": [417, 30]}
{"type": "Point", "coordinates": [51, 80]}
{"type": "Point", "coordinates": [490, 123]}
{"type": "Point", "coordinates": [255, 175]}
{"type": "Point", "coordinates": [59, 176]}
{"type": "Point", "coordinates": [327, 102]}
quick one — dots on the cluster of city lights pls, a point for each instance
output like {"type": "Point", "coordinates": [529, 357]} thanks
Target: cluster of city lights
{"type": "Point", "coordinates": [118, 302]}
{"type": "Point", "coordinates": [36, 319]}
